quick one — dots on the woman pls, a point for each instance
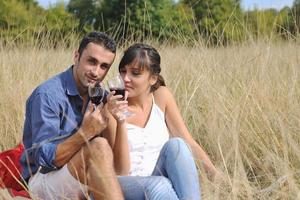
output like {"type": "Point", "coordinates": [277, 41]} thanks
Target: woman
{"type": "Point", "coordinates": [152, 141]}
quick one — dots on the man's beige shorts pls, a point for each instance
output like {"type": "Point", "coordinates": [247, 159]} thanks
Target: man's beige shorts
{"type": "Point", "coordinates": [56, 185]}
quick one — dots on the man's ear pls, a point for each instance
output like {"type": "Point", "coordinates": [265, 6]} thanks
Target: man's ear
{"type": "Point", "coordinates": [76, 57]}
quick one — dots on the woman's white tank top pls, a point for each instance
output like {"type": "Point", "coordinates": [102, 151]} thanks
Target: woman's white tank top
{"type": "Point", "coordinates": [146, 143]}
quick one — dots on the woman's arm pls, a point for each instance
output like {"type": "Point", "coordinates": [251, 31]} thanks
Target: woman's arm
{"type": "Point", "coordinates": [116, 134]}
{"type": "Point", "coordinates": [177, 127]}
{"type": "Point", "coordinates": [121, 149]}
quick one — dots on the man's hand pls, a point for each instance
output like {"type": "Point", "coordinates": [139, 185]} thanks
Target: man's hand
{"type": "Point", "coordinates": [94, 121]}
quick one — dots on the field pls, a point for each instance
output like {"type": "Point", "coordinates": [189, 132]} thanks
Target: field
{"type": "Point", "coordinates": [241, 103]}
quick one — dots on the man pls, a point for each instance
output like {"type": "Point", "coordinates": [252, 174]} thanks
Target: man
{"type": "Point", "coordinates": [63, 153]}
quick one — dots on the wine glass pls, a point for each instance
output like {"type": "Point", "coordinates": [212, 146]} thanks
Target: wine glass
{"type": "Point", "coordinates": [117, 84]}
{"type": "Point", "coordinates": [96, 92]}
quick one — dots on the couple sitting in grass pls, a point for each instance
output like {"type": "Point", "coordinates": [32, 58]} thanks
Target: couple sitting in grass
{"type": "Point", "coordinates": [75, 149]}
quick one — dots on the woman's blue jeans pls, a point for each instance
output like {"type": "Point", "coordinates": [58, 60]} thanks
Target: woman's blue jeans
{"type": "Point", "coordinates": [174, 177]}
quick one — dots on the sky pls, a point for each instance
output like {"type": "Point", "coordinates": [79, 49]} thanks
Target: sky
{"type": "Point", "coordinates": [246, 4]}
{"type": "Point", "coordinates": [263, 4]}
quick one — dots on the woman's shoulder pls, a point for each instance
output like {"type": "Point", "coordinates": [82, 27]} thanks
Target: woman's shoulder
{"type": "Point", "coordinates": [161, 96]}
{"type": "Point", "coordinates": [162, 90]}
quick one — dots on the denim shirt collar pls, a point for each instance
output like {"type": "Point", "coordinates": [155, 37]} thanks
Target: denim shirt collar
{"type": "Point", "coordinates": [70, 84]}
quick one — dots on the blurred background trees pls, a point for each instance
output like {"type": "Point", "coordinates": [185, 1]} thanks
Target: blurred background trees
{"type": "Point", "coordinates": [214, 21]}
{"type": "Point", "coordinates": [294, 17]}
{"type": "Point", "coordinates": [133, 19]}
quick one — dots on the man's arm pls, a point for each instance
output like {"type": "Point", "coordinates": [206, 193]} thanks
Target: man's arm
{"type": "Point", "coordinates": [47, 149]}
{"type": "Point", "coordinates": [92, 125]}
{"type": "Point", "coordinates": [43, 126]}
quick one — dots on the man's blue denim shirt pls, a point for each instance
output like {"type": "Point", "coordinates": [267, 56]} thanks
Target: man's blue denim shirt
{"type": "Point", "coordinates": [53, 112]}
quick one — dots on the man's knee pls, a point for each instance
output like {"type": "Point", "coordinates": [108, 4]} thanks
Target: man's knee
{"type": "Point", "coordinates": [99, 143]}
{"type": "Point", "coordinates": [99, 148]}
{"type": "Point", "coordinates": [96, 151]}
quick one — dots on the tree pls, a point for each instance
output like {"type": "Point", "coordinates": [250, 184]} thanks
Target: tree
{"type": "Point", "coordinates": [295, 17]}
{"type": "Point", "coordinates": [84, 10]}
{"type": "Point", "coordinates": [284, 22]}
{"type": "Point", "coordinates": [24, 20]}
{"type": "Point", "coordinates": [133, 18]}
{"type": "Point", "coordinates": [262, 22]}
{"type": "Point", "coordinates": [219, 20]}
{"type": "Point", "coordinates": [15, 14]}
{"type": "Point", "coordinates": [59, 22]}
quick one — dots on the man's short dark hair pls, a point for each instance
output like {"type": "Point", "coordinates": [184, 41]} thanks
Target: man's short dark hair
{"type": "Point", "coordinates": [99, 38]}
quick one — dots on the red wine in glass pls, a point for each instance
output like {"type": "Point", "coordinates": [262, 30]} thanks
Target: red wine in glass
{"type": "Point", "coordinates": [96, 99]}
{"type": "Point", "coordinates": [117, 84]}
{"type": "Point", "coordinates": [96, 93]}
{"type": "Point", "coordinates": [118, 91]}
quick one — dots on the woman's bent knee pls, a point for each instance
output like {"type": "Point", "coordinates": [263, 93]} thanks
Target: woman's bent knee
{"type": "Point", "coordinates": [177, 140]}
{"type": "Point", "coordinates": [160, 188]}
{"type": "Point", "coordinates": [176, 144]}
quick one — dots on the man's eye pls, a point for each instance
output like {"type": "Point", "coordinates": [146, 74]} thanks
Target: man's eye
{"type": "Point", "coordinates": [92, 61]}
{"type": "Point", "coordinates": [104, 67]}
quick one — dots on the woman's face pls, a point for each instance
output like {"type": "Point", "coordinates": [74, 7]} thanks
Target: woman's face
{"type": "Point", "coordinates": [138, 81]}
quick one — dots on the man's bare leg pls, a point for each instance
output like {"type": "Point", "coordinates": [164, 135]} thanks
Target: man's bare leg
{"type": "Point", "coordinates": [93, 165]}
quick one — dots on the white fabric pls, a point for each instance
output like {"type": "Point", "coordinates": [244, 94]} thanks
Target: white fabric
{"type": "Point", "coordinates": [146, 143]}
{"type": "Point", "coordinates": [56, 185]}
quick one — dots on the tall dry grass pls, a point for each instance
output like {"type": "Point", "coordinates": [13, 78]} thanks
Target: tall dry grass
{"type": "Point", "coordinates": [241, 103]}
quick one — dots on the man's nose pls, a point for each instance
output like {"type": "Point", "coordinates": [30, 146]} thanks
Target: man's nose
{"type": "Point", "coordinates": [95, 70]}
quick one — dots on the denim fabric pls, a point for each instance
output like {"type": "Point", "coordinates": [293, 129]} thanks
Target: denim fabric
{"type": "Point", "coordinates": [147, 187]}
{"type": "Point", "coordinates": [175, 176]}
{"type": "Point", "coordinates": [53, 112]}
{"type": "Point", "coordinates": [176, 162]}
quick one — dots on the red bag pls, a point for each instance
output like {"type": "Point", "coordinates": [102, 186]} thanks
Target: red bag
{"type": "Point", "coordinates": [10, 171]}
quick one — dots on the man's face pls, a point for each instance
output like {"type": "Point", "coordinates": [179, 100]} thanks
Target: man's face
{"type": "Point", "coordinates": [91, 66]}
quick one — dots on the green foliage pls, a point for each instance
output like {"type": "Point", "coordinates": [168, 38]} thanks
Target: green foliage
{"type": "Point", "coordinates": [17, 17]}
{"type": "Point", "coordinates": [24, 20]}
{"type": "Point", "coordinates": [84, 11]}
{"type": "Point", "coordinates": [271, 23]}
{"type": "Point", "coordinates": [215, 21]}
{"type": "Point", "coordinates": [161, 19]}
{"type": "Point", "coordinates": [262, 23]}
{"type": "Point", "coordinates": [294, 15]}
{"type": "Point", "coordinates": [16, 14]}
{"type": "Point", "coordinates": [58, 21]}
{"type": "Point", "coordinates": [284, 23]}
{"type": "Point", "coordinates": [218, 20]}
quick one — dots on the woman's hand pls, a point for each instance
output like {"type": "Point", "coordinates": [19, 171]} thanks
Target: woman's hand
{"type": "Point", "coordinates": [116, 106]}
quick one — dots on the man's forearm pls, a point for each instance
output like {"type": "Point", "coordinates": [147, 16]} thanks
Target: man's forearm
{"type": "Point", "coordinates": [66, 150]}
{"type": "Point", "coordinates": [92, 125]}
